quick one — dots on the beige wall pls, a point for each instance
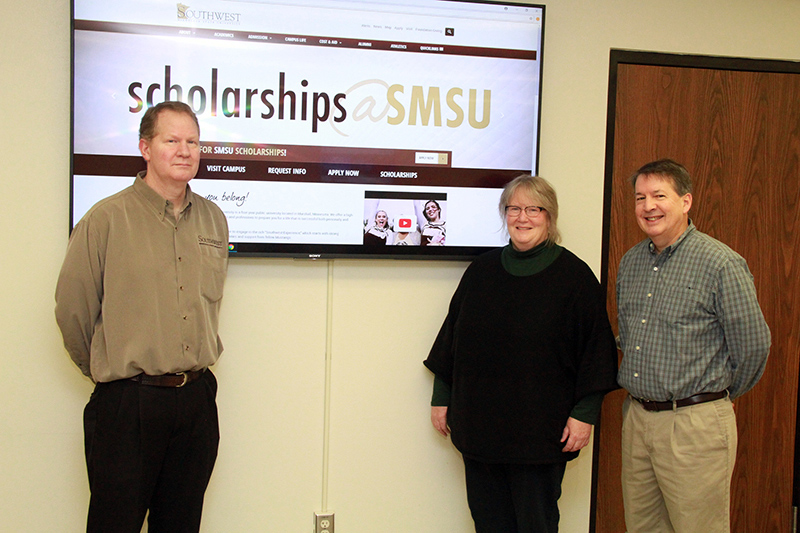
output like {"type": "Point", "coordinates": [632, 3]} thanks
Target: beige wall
{"type": "Point", "coordinates": [301, 431]}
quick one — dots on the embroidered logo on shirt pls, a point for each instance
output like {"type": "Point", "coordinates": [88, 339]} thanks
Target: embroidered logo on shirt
{"type": "Point", "coordinates": [208, 241]}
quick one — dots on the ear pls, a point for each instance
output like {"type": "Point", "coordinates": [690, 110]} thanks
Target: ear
{"type": "Point", "coordinates": [687, 202]}
{"type": "Point", "coordinates": [144, 148]}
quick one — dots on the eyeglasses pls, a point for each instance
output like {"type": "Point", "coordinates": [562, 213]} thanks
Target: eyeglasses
{"type": "Point", "coordinates": [532, 211]}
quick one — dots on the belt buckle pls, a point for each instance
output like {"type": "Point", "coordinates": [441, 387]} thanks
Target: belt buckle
{"type": "Point", "coordinates": [649, 405]}
{"type": "Point", "coordinates": [185, 378]}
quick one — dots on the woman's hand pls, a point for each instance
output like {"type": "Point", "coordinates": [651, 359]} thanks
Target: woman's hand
{"type": "Point", "coordinates": [437, 240]}
{"type": "Point", "coordinates": [439, 419]}
{"type": "Point", "coordinates": [576, 435]}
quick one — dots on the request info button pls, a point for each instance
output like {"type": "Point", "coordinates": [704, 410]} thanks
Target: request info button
{"type": "Point", "coordinates": [430, 158]}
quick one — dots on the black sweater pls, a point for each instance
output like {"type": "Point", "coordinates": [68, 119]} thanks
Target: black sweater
{"type": "Point", "coordinates": [518, 353]}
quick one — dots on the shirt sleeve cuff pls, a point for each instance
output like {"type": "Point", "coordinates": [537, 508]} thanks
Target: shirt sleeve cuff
{"type": "Point", "coordinates": [588, 408]}
{"type": "Point", "coordinates": [441, 393]}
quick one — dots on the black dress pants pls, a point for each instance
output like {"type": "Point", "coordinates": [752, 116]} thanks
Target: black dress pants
{"type": "Point", "coordinates": [150, 449]}
{"type": "Point", "coordinates": [514, 498]}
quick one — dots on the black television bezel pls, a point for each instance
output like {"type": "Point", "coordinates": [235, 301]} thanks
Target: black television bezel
{"type": "Point", "coordinates": [315, 251]}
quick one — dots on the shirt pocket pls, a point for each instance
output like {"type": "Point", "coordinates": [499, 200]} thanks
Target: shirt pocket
{"type": "Point", "coordinates": [685, 305]}
{"type": "Point", "coordinates": [212, 278]}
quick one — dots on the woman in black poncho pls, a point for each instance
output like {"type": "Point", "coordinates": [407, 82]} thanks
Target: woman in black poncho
{"type": "Point", "coordinates": [521, 365]}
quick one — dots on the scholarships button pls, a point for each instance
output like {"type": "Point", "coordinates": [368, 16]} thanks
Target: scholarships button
{"type": "Point", "coordinates": [430, 158]}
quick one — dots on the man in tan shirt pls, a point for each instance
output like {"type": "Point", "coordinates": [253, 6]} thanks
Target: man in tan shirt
{"type": "Point", "coordinates": [138, 303]}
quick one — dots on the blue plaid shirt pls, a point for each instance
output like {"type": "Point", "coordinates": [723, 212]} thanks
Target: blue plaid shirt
{"type": "Point", "coordinates": [689, 320]}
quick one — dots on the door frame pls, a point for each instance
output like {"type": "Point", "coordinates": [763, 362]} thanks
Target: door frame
{"type": "Point", "coordinates": [619, 57]}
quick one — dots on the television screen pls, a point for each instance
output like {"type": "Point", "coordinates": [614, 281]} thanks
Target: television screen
{"type": "Point", "coordinates": [329, 128]}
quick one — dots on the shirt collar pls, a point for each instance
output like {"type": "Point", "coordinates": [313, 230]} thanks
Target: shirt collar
{"type": "Point", "coordinates": [160, 205]}
{"type": "Point", "coordinates": [669, 250]}
{"type": "Point", "coordinates": [531, 261]}
{"type": "Point", "coordinates": [533, 252]}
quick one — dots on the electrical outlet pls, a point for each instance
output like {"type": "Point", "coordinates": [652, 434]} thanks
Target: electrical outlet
{"type": "Point", "coordinates": [323, 522]}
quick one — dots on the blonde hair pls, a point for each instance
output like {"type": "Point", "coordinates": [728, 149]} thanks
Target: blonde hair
{"type": "Point", "coordinates": [543, 193]}
{"type": "Point", "coordinates": [149, 123]}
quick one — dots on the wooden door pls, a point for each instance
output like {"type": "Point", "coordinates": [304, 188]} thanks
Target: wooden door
{"type": "Point", "coordinates": [735, 125]}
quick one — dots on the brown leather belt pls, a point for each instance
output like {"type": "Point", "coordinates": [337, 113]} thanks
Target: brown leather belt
{"type": "Point", "coordinates": [176, 380]}
{"type": "Point", "coordinates": [703, 397]}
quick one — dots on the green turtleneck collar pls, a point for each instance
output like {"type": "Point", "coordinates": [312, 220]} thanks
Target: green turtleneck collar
{"type": "Point", "coordinates": [531, 261]}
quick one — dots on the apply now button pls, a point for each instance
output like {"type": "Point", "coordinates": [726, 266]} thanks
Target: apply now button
{"type": "Point", "coordinates": [430, 158]}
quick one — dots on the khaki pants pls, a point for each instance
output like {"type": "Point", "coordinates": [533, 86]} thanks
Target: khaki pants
{"type": "Point", "coordinates": [677, 467]}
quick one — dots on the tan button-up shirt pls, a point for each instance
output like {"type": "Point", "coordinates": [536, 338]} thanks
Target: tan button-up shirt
{"type": "Point", "coordinates": [140, 291]}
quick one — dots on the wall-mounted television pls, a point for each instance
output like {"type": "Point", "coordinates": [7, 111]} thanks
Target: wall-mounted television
{"type": "Point", "coordinates": [329, 128]}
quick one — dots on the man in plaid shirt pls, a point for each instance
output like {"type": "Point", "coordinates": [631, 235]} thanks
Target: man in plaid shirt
{"type": "Point", "coordinates": [693, 338]}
